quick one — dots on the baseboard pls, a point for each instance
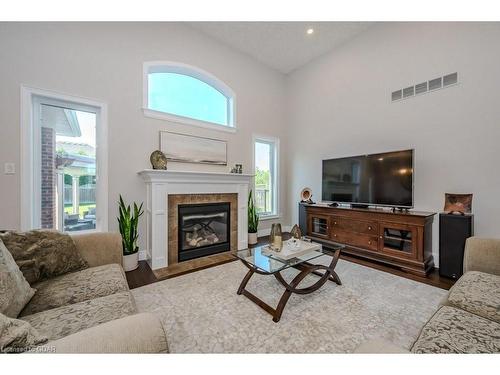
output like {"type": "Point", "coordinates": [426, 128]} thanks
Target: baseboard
{"type": "Point", "coordinates": [266, 232]}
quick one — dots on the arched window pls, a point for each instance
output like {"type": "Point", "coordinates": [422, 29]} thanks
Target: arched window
{"type": "Point", "coordinates": [183, 93]}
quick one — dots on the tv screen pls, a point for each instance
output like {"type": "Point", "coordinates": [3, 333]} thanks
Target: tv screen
{"type": "Point", "coordinates": [378, 179]}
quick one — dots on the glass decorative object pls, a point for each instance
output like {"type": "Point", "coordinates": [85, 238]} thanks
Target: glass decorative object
{"type": "Point", "coordinates": [296, 232]}
{"type": "Point", "coordinates": [276, 237]}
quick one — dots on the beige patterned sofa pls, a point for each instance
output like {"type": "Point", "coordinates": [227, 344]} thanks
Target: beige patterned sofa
{"type": "Point", "coordinates": [93, 311]}
{"type": "Point", "coordinates": [468, 320]}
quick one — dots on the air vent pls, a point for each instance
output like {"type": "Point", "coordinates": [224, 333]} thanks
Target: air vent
{"type": "Point", "coordinates": [435, 84]}
{"type": "Point", "coordinates": [424, 87]}
{"type": "Point", "coordinates": [421, 88]}
{"type": "Point", "coordinates": [409, 91]}
{"type": "Point", "coordinates": [396, 95]}
{"type": "Point", "coordinates": [450, 79]}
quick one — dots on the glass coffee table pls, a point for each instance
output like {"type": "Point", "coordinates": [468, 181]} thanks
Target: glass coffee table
{"type": "Point", "coordinates": [262, 264]}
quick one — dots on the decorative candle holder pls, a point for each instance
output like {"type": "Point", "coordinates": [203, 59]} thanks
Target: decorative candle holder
{"type": "Point", "coordinates": [276, 237]}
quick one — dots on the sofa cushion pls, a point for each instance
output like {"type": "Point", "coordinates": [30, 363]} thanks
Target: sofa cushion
{"type": "Point", "coordinates": [77, 287]}
{"type": "Point", "coordinates": [452, 330]}
{"type": "Point", "coordinates": [15, 292]}
{"type": "Point", "coordinates": [18, 336]}
{"type": "Point", "coordinates": [478, 293]}
{"type": "Point", "coordinates": [66, 320]}
{"type": "Point", "coordinates": [43, 254]}
{"type": "Point", "coordinates": [138, 333]}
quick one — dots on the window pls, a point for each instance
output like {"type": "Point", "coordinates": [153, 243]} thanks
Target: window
{"type": "Point", "coordinates": [185, 94]}
{"type": "Point", "coordinates": [266, 176]}
{"type": "Point", "coordinates": [65, 164]}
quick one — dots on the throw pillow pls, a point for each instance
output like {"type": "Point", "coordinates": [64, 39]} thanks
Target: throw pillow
{"type": "Point", "coordinates": [43, 254]}
{"type": "Point", "coordinates": [18, 336]}
{"type": "Point", "coordinates": [15, 292]}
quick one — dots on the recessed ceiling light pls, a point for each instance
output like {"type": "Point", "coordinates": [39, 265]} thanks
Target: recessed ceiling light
{"type": "Point", "coordinates": [310, 31]}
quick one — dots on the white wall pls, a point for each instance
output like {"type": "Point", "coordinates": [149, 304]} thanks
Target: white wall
{"type": "Point", "coordinates": [103, 61]}
{"type": "Point", "coordinates": [340, 105]}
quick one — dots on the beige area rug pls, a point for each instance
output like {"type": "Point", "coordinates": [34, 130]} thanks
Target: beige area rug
{"type": "Point", "coordinates": [202, 313]}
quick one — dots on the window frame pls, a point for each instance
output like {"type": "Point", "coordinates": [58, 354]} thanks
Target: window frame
{"type": "Point", "coordinates": [194, 72]}
{"type": "Point", "coordinates": [31, 159]}
{"type": "Point", "coordinates": [274, 170]}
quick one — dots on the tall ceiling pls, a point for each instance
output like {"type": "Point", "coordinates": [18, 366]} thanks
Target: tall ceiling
{"type": "Point", "coordinates": [284, 46]}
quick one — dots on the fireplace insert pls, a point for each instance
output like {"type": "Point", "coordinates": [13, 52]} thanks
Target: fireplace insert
{"type": "Point", "coordinates": [204, 229]}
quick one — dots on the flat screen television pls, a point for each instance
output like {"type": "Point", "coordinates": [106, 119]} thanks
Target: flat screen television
{"type": "Point", "coordinates": [384, 179]}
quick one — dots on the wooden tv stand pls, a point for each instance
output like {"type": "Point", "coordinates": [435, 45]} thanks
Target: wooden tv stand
{"type": "Point", "coordinates": [401, 239]}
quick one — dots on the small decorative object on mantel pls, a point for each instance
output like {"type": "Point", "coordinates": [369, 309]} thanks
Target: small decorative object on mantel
{"type": "Point", "coordinates": [460, 204]}
{"type": "Point", "coordinates": [276, 237]}
{"type": "Point", "coordinates": [306, 196]}
{"type": "Point", "coordinates": [128, 222]}
{"type": "Point", "coordinates": [238, 169]}
{"type": "Point", "coordinates": [253, 221]}
{"type": "Point", "coordinates": [158, 160]}
{"type": "Point", "coordinates": [296, 232]}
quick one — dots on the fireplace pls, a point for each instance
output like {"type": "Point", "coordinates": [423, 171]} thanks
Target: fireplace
{"type": "Point", "coordinates": [203, 229]}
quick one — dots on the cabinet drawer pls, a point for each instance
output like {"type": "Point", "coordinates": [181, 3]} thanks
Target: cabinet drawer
{"type": "Point", "coordinates": [358, 226]}
{"type": "Point", "coordinates": [364, 241]}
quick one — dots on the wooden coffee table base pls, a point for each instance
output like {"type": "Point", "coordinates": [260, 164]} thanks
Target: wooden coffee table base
{"type": "Point", "coordinates": [305, 269]}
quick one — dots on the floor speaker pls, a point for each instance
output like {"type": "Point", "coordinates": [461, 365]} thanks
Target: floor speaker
{"type": "Point", "coordinates": [453, 231]}
{"type": "Point", "coordinates": [302, 218]}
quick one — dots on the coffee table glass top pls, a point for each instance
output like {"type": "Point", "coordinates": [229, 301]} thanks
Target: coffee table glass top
{"type": "Point", "coordinates": [271, 264]}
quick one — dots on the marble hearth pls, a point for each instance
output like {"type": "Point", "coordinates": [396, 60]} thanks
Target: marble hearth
{"type": "Point", "coordinates": [166, 189]}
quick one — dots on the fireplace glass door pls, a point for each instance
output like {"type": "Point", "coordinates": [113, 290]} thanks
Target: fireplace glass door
{"type": "Point", "coordinates": [204, 229]}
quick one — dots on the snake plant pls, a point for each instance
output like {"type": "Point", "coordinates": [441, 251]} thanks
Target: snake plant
{"type": "Point", "coordinates": [253, 216]}
{"type": "Point", "coordinates": [127, 222]}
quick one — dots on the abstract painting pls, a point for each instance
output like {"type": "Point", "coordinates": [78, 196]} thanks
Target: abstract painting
{"type": "Point", "coordinates": [192, 149]}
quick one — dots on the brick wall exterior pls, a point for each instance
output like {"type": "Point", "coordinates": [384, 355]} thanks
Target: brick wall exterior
{"type": "Point", "coordinates": [48, 176]}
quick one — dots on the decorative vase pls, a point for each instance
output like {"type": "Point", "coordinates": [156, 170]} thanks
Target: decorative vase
{"type": "Point", "coordinates": [296, 232]}
{"type": "Point", "coordinates": [131, 261]}
{"type": "Point", "coordinates": [158, 160]}
{"type": "Point", "coordinates": [276, 237]}
{"type": "Point", "coordinates": [252, 238]}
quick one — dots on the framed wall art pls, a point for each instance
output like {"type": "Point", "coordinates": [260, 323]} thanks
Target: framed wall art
{"type": "Point", "coordinates": [192, 149]}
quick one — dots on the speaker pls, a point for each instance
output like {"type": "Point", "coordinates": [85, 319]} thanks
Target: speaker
{"type": "Point", "coordinates": [302, 218]}
{"type": "Point", "coordinates": [453, 231]}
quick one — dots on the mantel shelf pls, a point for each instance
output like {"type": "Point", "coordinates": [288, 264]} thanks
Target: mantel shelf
{"type": "Point", "coordinates": [167, 174]}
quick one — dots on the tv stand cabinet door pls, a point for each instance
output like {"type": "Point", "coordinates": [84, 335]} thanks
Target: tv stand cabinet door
{"type": "Point", "coordinates": [318, 225]}
{"type": "Point", "coordinates": [399, 240]}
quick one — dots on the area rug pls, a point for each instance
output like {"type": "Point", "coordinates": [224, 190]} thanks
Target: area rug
{"type": "Point", "coordinates": [202, 313]}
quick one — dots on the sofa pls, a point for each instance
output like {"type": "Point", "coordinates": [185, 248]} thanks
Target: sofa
{"type": "Point", "coordinates": [92, 310]}
{"type": "Point", "coordinates": [468, 318]}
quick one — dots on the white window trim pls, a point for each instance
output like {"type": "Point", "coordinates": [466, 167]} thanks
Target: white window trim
{"type": "Point", "coordinates": [276, 178]}
{"type": "Point", "coordinates": [30, 158]}
{"type": "Point", "coordinates": [192, 71]}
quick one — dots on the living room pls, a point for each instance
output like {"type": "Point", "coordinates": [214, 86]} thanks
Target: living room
{"type": "Point", "coordinates": [155, 174]}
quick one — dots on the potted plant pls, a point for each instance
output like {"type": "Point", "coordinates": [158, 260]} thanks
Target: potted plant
{"type": "Point", "coordinates": [253, 221]}
{"type": "Point", "coordinates": [128, 221]}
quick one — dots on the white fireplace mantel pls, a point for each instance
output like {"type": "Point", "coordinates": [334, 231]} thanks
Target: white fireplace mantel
{"type": "Point", "coordinates": [161, 183]}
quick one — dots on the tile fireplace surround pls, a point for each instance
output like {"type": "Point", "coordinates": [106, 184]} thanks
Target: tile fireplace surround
{"type": "Point", "coordinates": [174, 200]}
{"type": "Point", "coordinates": [165, 187]}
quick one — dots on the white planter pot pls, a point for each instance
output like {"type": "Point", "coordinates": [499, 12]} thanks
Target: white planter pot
{"type": "Point", "coordinates": [252, 238]}
{"type": "Point", "coordinates": [130, 262]}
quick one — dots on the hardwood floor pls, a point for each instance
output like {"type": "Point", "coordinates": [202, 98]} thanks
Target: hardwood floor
{"type": "Point", "coordinates": [143, 275]}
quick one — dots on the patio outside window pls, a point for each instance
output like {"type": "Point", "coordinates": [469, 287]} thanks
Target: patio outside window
{"type": "Point", "coordinates": [68, 169]}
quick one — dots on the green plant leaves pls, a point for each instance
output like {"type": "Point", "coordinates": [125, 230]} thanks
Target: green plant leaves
{"type": "Point", "coordinates": [127, 224]}
{"type": "Point", "coordinates": [253, 216]}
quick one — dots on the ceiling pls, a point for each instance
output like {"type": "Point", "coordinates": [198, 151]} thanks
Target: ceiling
{"type": "Point", "coordinates": [284, 46]}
